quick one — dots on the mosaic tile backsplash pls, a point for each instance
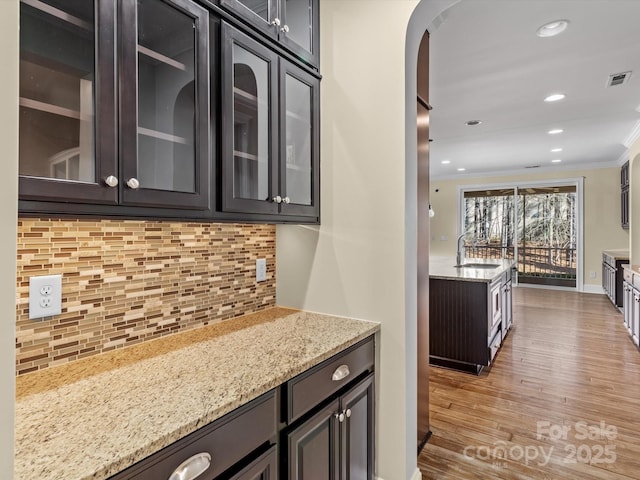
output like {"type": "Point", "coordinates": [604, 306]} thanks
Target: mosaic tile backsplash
{"type": "Point", "coordinates": [129, 281]}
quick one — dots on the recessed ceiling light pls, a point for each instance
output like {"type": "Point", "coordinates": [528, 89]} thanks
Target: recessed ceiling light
{"type": "Point", "coordinates": [556, 150]}
{"type": "Point", "coordinates": [555, 131]}
{"type": "Point", "coordinates": [461, 169]}
{"type": "Point", "coordinates": [552, 29]}
{"type": "Point", "coordinates": [557, 160]}
{"type": "Point", "coordinates": [555, 97]}
{"type": "Point", "coordinates": [445, 162]}
{"type": "Point", "coordinates": [472, 123]}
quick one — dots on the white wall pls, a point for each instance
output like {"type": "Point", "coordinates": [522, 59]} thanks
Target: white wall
{"type": "Point", "coordinates": [361, 261]}
{"type": "Point", "coordinates": [8, 218]}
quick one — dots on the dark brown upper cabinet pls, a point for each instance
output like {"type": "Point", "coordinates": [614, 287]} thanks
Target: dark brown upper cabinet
{"type": "Point", "coordinates": [114, 102]}
{"type": "Point", "coordinates": [67, 139]}
{"type": "Point", "coordinates": [270, 141]}
{"type": "Point", "coordinates": [164, 103]}
{"type": "Point", "coordinates": [293, 23]}
{"type": "Point", "coordinates": [250, 124]}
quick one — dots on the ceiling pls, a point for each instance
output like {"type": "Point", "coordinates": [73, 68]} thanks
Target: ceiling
{"type": "Point", "coordinates": [488, 64]}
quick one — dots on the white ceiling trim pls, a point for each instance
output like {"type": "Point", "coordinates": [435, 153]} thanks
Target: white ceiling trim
{"type": "Point", "coordinates": [633, 136]}
{"type": "Point", "coordinates": [530, 171]}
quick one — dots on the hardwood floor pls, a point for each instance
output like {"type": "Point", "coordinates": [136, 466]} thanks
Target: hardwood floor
{"type": "Point", "coordinates": [562, 400]}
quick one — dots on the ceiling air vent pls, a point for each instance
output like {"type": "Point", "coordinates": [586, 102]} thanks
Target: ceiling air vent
{"type": "Point", "coordinates": [618, 79]}
{"type": "Point", "coordinates": [532, 166]}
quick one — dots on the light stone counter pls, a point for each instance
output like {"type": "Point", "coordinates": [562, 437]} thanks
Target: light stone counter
{"type": "Point", "coordinates": [95, 417]}
{"type": "Point", "coordinates": [444, 268]}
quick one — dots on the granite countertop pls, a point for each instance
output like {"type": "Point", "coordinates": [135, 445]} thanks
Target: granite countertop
{"type": "Point", "coordinates": [621, 254]}
{"type": "Point", "coordinates": [444, 268]}
{"type": "Point", "coordinates": [95, 417]}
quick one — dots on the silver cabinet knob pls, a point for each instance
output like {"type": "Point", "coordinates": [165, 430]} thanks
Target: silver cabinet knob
{"type": "Point", "coordinates": [277, 199]}
{"type": "Point", "coordinates": [276, 22]}
{"type": "Point", "coordinates": [286, 200]}
{"type": "Point", "coordinates": [133, 183]}
{"type": "Point", "coordinates": [285, 29]}
{"type": "Point", "coordinates": [111, 181]}
{"type": "Point", "coordinates": [348, 412]}
{"type": "Point", "coordinates": [339, 416]}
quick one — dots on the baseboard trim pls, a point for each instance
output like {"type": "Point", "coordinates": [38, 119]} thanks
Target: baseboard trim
{"type": "Point", "coordinates": [417, 475]}
{"type": "Point", "coordinates": [593, 289]}
{"type": "Point", "coordinates": [424, 441]}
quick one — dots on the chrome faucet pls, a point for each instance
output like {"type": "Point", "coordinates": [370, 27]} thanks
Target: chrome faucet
{"type": "Point", "coordinates": [460, 254]}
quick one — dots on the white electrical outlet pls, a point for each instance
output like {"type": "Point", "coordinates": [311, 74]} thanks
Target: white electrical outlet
{"type": "Point", "coordinates": [45, 296]}
{"type": "Point", "coordinates": [261, 270]}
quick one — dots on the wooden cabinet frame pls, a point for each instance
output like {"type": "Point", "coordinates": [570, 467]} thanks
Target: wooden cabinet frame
{"type": "Point", "coordinates": [41, 188]}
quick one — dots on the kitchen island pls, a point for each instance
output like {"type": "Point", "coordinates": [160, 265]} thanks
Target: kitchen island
{"type": "Point", "coordinates": [470, 311]}
{"type": "Point", "coordinates": [95, 417]}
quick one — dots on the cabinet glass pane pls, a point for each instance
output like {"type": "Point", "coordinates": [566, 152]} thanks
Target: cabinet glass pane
{"type": "Point", "coordinates": [57, 71]}
{"type": "Point", "coordinates": [298, 141]}
{"type": "Point", "coordinates": [250, 125]}
{"type": "Point", "coordinates": [299, 20]}
{"type": "Point", "coordinates": [260, 7]}
{"type": "Point", "coordinates": [166, 97]}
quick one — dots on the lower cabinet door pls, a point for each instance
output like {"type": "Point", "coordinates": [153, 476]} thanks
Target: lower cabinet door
{"type": "Point", "coordinates": [265, 467]}
{"type": "Point", "coordinates": [313, 447]}
{"type": "Point", "coordinates": [357, 432]}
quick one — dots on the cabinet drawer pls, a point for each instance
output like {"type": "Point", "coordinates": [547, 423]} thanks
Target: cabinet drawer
{"type": "Point", "coordinates": [315, 385]}
{"type": "Point", "coordinates": [227, 441]}
{"type": "Point", "coordinates": [494, 346]}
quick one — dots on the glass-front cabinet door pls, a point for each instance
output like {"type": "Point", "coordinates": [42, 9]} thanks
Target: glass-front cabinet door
{"type": "Point", "coordinates": [299, 30]}
{"type": "Point", "coordinates": [294, 23]}
{"type": "Point", "coordinates": [249, 142]}
{"type": "Point", "coordinates": [299, 137]}
{"type": "Point", "coordinates": [164, 105]}
{"type": "Point", "coordinates": [261, 14]}
{"type": "Point", "coordinates": [67, 87]}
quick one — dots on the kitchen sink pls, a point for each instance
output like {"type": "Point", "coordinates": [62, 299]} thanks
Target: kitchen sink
{"type": "Point", "coordinates": [478, 265]}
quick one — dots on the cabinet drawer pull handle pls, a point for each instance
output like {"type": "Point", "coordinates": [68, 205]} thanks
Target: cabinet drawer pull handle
{"type": "Point", "coordinates": [348, 413]}
{"type": "Point", "coordinates": [277, 199]}
{"type": "Point", "coordinates": [286, 200]}
{"type": "Point", "coordinates": [285, 29]}
{"type": "Point", "coordinates": [340, 373]}
{"type": "Point", "coordinates": [133, 183]}
{"type": "Point", "coordinates": [276, 22]}
{"type": "Point", "coordinates": [339, 416]}
{"type": "Point", "coordinates": [192, 467]}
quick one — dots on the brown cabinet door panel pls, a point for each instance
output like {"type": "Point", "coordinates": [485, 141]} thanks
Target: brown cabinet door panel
{"type": "Point", "coordinates": [356, 455]}
{"type": "Point", "coordinates": [265, 467]}
{"type": "Point", "coordinates": [313, 447]}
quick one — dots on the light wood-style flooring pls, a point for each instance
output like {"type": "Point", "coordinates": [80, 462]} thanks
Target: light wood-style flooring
{"type": "Point", "coordinates": [562, 400]}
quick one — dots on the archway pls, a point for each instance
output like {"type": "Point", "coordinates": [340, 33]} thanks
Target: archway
{"type": "Point", "coordinates": [427, 15]}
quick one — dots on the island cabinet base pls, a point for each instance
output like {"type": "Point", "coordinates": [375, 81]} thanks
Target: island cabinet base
{"type": "Point", "coordinates": [456, 365]}
{"type": "Point", "coordinates": [466, 322]}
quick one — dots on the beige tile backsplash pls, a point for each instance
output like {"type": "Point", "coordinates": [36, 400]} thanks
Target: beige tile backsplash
{"type": "Point", "coordinates": [128, 281]}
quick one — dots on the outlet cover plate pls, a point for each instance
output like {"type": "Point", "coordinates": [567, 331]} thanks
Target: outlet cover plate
{"type": "Point", "coordinates": [45, 296]}
{"type": "Point", "coordinates": [261, 270]}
